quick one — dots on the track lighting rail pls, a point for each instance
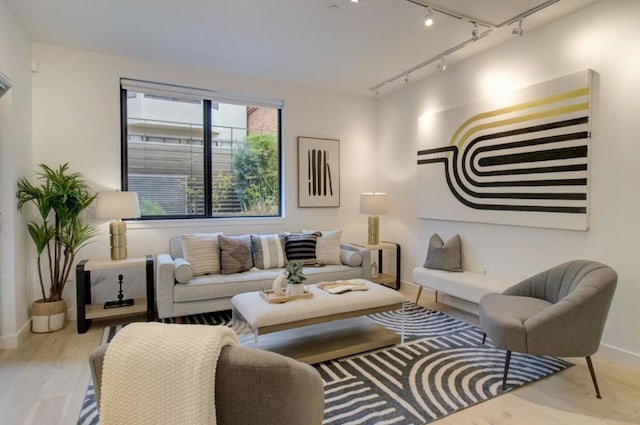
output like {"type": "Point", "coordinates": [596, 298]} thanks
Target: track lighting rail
{"type": "Point", "coordinates": [490, 27]}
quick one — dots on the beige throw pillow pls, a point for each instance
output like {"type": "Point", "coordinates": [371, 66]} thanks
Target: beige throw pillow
{"type": "Point", "coordinates": [202, 251]}
{"type": "Point", "coordinates": [328, 246]}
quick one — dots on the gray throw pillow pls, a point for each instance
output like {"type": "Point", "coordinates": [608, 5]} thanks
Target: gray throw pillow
{"type": "Point", "coordinates": [443, 256]}
{"type": "Point", "coordinates": [235, 254]}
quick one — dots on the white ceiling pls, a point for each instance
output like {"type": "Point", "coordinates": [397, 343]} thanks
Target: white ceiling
{"type": "Point", "coordinates": [350, 48]}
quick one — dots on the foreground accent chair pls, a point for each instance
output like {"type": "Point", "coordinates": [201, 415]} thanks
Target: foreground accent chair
{"type": "Point", "coordinates": [254, 387]}
{"type": "Point", "coordinates": [559, 312]}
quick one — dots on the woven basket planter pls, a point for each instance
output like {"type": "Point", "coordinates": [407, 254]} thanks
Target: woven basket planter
{"type": "Point", "coordinates": [47, 316]}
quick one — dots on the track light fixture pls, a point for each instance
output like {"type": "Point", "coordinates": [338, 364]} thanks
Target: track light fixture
{"type": "Point", "coordinates": [406, 78]}
{"type": "Point", "coordinates": [428, 19]}
{"type": "Point", "coordinates": [475, 35]}
{"type": "Point", "coordinates": [518, 30]}
{"type": "Point", "coordinates": [481, 28]}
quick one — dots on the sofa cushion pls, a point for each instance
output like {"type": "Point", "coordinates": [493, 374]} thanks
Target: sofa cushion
{"type": "Point", "coordinates": [301, 247]}
{"type": "Point", "coordinates": [235, 254]}
{"type": "Point", "coordinates": [327, 246]}
{"type": "Point", "coordinates": [182, 270]}
{"type": "Point", "coordinates": [268, 251]}
{"type": "Point", "coordinates": [225, 286]}
{"type": "Point", "coordinates": [202, 251]}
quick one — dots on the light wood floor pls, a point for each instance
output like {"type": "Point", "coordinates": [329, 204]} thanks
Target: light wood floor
{"type": "Point", "coordinates": [44, 381]}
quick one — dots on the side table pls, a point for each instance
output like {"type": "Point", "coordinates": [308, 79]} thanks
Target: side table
{"type": "Point", "coordinates": [386, 279]}
{"type": "Point", "coordinates": [86, 311]}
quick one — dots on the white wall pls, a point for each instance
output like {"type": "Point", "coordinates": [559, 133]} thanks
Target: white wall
{"type": "Point", "coordinates": [76, 119]}
{"type": "Point", "coordinates": [603, 37]}
{"type": "Point", "coordinates": [15, 161]}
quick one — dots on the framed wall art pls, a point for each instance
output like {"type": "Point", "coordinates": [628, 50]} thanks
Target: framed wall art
{"type": "Point", "coordinates": [318, 172]}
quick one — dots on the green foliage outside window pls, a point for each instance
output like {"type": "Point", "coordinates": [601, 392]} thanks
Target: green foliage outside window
{"type": "Point", "coordinates": [151, 207]}
{"type": "Point", "coordinates": [255, 165]}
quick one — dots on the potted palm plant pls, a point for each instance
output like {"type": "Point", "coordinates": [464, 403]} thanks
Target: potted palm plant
{"type": "Point", "coordinates": [58, 233]}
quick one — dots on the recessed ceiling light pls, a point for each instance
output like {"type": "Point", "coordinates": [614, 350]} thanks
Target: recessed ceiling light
{"type": "Point", "coordinates": [355, 1]}
{"type": "Point", "coordinates": [334, 8]}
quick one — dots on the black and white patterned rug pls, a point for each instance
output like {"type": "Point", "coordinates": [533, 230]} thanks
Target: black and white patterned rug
{"type": "Point", "coordinates": [443, 367]}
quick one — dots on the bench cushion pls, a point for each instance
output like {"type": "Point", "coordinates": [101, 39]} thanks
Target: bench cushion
{"type": "Point", "coordinates": [468, 286]}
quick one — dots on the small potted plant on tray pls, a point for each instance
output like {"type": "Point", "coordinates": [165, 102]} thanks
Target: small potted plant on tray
{"type": "Point", "coordinates": [295, 278]}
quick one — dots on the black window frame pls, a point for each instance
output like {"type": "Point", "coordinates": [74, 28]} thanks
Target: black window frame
{"type": "Point", "coordinates": [207, 157]}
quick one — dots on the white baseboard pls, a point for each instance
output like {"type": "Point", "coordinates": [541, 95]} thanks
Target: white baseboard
{"type": "Point", "coordinates": [11, 342]}
{"type": "Point", "coordinates": [619, 356]}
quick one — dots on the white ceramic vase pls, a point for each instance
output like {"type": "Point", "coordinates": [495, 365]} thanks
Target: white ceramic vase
{"type": "Point", "coordinates": [295, 289]}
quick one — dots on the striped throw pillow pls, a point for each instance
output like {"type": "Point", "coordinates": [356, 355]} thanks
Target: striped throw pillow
{"type": "Point", "coordinates": [268, 251]}
{"type": "Point", "coordinates": [235, 254]}
{"type": "Point", "coordinates": [301, 247]}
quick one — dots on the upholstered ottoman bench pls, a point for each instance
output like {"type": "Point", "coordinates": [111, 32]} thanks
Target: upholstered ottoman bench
{"type": "Point", "coordinates": [318, 342]}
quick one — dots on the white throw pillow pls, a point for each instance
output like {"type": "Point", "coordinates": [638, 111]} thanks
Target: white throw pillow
{"type": "Point", "coordinates": [182, 270]}
{"type": "Point", "coordinates": [328, 246]}
{"type": "Point", "coordinates": [202, 251]}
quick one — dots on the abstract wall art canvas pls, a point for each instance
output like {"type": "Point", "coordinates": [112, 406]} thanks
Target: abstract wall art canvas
{"type": "Point", "coordinates": [318, 172]}
{"type": "Point", "coordinates": [519, 159]}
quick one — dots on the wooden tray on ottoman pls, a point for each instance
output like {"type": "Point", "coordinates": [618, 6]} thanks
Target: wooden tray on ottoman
{"type": "Point", "coordinates": [270, 296]}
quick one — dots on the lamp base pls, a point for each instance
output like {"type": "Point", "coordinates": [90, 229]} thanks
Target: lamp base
{"type": "Point", "coordinates": [374, 235]}
{"type": "Point", "coordinates": [118, 233]}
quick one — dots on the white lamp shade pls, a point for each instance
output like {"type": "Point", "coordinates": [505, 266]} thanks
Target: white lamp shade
{"type": "Point", "coordinates": [374, 203]}
{"type": "Point", "coordinates": [117, 205]}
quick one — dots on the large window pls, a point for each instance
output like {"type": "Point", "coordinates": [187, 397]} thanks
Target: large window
{"type": "Point", "coordinates": [193, 153]}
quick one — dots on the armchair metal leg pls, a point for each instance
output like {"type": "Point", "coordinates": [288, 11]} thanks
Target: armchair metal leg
{"type": "Point", "coordinates": [593, 376]}
{"type": "Point", "coordinates": [506, 370]}
{"type": "Point", "coordinates": [484, 337]}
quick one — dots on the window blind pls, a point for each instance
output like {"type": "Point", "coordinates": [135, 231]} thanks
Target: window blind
{"type": "Point", "coordinates": [192, 93]}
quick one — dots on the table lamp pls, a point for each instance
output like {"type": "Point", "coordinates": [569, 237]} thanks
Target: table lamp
{"type": "Point", "coordinates": [116, 206]}
{"type": "Point", "coordinates": [373, 204]}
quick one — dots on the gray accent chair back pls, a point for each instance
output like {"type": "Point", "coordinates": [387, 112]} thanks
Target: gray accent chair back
{"type": "Point", "coordinates": [254, 387]}
{"type": "Point", "coordinates": [558, 312]}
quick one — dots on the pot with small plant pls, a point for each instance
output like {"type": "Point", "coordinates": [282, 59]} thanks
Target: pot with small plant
{"type": "Point", "coordinates": [295, 278]}
{"type": "Point", "coordinates": [60, 199]}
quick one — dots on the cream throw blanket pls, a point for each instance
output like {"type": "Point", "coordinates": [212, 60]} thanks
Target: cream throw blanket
{"type": "Point", "coordinates": [158, 373]}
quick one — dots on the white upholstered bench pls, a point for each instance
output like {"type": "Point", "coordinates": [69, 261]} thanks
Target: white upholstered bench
{"type": "Point", "coordinates": [468, 286]}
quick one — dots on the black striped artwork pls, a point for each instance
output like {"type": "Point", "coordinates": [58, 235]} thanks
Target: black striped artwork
{"type": "Point", "coordinates": [525, 163]}
{"type": "Point", "coordinates": [442, 368]}
{"type": "Point", "coordinates": [318, 172]}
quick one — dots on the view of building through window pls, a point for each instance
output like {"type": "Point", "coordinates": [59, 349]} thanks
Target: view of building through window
{"type": "Point", "coordinates": [166, 157]}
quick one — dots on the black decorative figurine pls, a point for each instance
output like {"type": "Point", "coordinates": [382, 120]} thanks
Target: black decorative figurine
{"type": "Point", "coordinates": [121, 302]}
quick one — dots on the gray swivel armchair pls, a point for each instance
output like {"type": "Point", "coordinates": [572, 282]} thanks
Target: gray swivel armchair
{"type": "Point", "coordinates": [255, 387]}
{"type": "Point", "coordinates": [559, 312]}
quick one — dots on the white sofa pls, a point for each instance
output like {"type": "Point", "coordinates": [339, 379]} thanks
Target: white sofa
{"type": "Point", "coordinates": [213, 292]}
